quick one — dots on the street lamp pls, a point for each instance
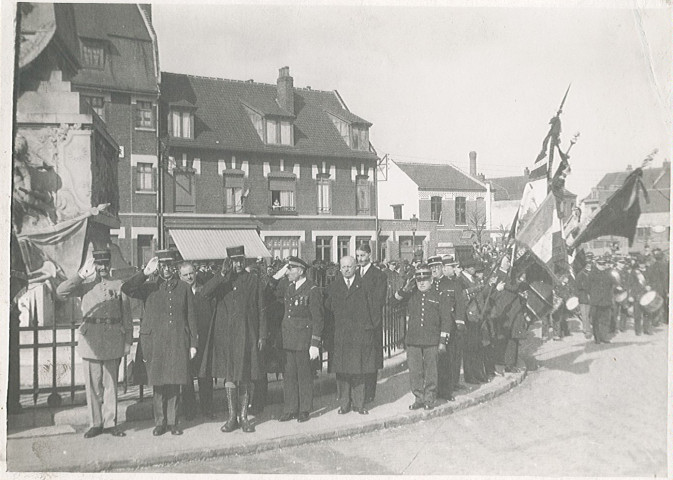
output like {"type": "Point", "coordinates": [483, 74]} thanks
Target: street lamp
{"type": "Point", "coordinates": [414, 227]}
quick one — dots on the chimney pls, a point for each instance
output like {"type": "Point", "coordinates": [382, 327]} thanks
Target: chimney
{"type": "Point", "coordinates": [473, 164]}
{"type": "Point", "coordinates": [285, 89]}
{"type": "Point", "coordinates": [526, 172]}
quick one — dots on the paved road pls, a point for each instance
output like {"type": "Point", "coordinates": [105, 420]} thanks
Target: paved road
{"type": "Point", "coordinates": [584, 410]}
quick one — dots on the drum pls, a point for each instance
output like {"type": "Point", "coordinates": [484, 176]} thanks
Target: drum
{"type": "Point", "coordinates": [651, 302]}
{"type": "Point", "coordinates": [572, 303]}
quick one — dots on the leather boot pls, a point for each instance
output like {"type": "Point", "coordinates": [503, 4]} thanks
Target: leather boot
{"type": "Point", "coordinates": [232, 422]}
{"type": "Point", "coordinates": [246, 426]}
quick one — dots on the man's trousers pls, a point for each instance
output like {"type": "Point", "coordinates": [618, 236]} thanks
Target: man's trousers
{"type": "Point", "coordinates": [423, 372]}
{"type": "Point", "coordinates": [165, 404]}
{"type": "Point", "coordinates": [100, 382]}
{"type": "Point", "coordinates": [297, 382]}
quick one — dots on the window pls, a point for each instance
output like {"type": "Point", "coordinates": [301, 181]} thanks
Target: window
{"type": "Point", "coordinates": [257, 122]}
{"type": "Point", "coordinates": [286, 133]}
{"type": "Point", "coordinates": [185, 194]}
{"type": "Point", "coordinates": [233, 200]}
{"type": "Point", "coordinates": [145, 177]}
{"type": "Point", "coordinates": [271, 131]}
{"type": "Point", "coordinates": [182, 124]}
{"type": "Point", "coordinates": [324, 200]}
{"type": "Point", "coordinates": [282, 200]}
{"type": "Point", "coordinates": [460, 211]}
{"type": "Point", "coordinates": [359, 241]}
{"type": "Point", "coordinates": [323, 249]}
{"type": "Point", "coordinates": [343, 244]}
{"type": "Point", "coordinates": [362, 196]}
{"type": "Point", "coordinates": [97, 103]}
{"type": "Point", "coordinates": [397, 212]}
{"type": "Point", "coordinates": [93, 54]}
{"type": "Point", "coordinates": [278, 132]}
{"type": "Point", "coordinates": [360, 138]}
{"type": "Point", "coordinates": [282, 247]}
{"type": "Point", "coordinates": [343, 128]}
{"type": "Point", "coordinates": [144, 115]}
{"type": "Point", "coordinates": [436, 208]}
{"type": "Point", "coordinates": [145, 250]}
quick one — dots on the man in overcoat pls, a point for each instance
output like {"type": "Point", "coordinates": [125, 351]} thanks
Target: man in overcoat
{"type": "Point", "coordinates": [375, 284]}
{"type": "Point", "coordinates": [106, 335]}
{"type": "Point", "coordinates": [473, 361]}
{"type": "Point", "coordinates": [657, 275]}
{"type": "Point", "coordinates": [601, 286]}
{"type": "Point", "coordinates": [301, 331]}
{"type": "Point", "coordinates": [456, 344]}
{"type": "Point", "coordinates": [354, 337]}
{"type": "Point", "coordinates": [238, 334]}
{"type": "Point", "coordinates": [168, 334]}
{"type": "Point", "coordinates": [201, 364]}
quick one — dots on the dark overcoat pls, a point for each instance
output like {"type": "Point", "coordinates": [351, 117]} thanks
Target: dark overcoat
{"type": "Point", "coordinates": [238, 323]}
{"type": "Point", "coordinates": [354, 331]}
{"type": "Point", "coordinates": [168, 328]}
{"type": "Point", "coordinates": [375, 284]}
{"type": "Point", "coordinates": [204, 315]}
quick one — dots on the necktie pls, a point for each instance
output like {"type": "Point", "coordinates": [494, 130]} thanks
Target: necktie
{"type": "Point", "coordinates": [348, 283]}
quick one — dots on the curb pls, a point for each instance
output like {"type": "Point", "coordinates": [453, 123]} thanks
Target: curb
{"type": "Point", "coordinates": [482, 395]}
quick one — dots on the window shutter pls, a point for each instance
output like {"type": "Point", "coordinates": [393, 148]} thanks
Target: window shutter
{"type": "Point", "coordinates": [191, 126]}
{"type": "Point", "coordinates": [137, 114]}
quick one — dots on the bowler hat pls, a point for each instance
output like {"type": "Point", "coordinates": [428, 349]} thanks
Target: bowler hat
{"type": "Point", "coordinates": [435, 260]}
{"type": "Point", "coordinates": [236, 252]}
{"type": "Point", "coordinates": [169, 255]}
{"type": "Point", "coordinates": [297, 262]}
{"type": "Point", "coordinates": [102, 256]}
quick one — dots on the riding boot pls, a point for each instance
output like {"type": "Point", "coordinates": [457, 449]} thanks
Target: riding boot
{"type": "Point", "coordinates": [245, 424]}
{"type": "Point", "coordinates": [232, 422]}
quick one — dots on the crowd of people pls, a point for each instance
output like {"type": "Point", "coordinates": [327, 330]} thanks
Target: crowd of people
{"type": "Point", "coordinates": [242, 320]}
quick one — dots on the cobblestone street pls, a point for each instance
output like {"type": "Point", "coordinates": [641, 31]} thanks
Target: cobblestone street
{"type": "Point", "coordinates": [583, 410]}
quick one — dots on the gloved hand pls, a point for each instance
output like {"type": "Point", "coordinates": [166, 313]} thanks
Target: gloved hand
{"type": "Point", "coordinates": [442, 346]}
{"type": "Point", "coordinates": [152, 266]}
{"type": "Point", "coordinates": [313, 352]}
{"type": "Point", "coordinates": [226, 266]}
{"type": "Point", "coordinates": [409, 286]}
{"type": "Point", "coordinates": [88, 269]}
{"type": "Point", "coordinates": [500, 286]}
{"type": "Point", "coordinates": [192, 352]}
{"type": "Point", "coordinates": [280, 273]}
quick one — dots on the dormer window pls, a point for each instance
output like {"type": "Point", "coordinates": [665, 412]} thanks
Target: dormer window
{"type": "Point", "coordinates": [181, 123]}
{"type": "Point", "coordinates": [355, 135]}
{"type": "Point", "coordinates": [360, 137]}
{"type": "Point", "coordinates": [272, 130]}
{"type": "Point", "coordinates": [92, 54]}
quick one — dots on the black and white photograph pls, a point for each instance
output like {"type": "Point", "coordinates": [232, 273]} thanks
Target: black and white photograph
{"type": "Point", "coordinates": [329, 238]}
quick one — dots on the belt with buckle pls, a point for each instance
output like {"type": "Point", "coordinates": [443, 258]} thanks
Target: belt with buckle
{"type": "Point", "coordinates": [106, 321]}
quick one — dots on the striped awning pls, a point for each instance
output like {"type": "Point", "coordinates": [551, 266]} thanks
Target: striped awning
{"type": "Point", "coordinates": [211, 244]}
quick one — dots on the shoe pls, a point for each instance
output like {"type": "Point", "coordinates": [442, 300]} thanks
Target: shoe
{"type": "Point", "coordinates": [286, 417]}
{"type": "Point", "coordinates": [114, 431]}
{"type": "Point", "coordinates": [362, 411]}
{"type": "Point", "coordinates": [232, 404]}
{"type": "Point", "coordinates": [344, 410]}
{"type": "Point", "coordinates": [93, 432]}
{"type": "Point", "coordinates": [159, 430]}
{"type": "Point", "coordinates": [451, 398]}
{"type": "Point", "coordinates": [303, 417]}
{"type": "Point", "coordinates": [429, 406]}
{"type": "Point", "coordinates": [175, 430]}
{"type": "Point", "coordinates": [416, 405]}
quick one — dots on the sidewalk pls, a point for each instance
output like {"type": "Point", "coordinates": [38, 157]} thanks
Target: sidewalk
{"type": "Point", "coordinates": [61, 446]}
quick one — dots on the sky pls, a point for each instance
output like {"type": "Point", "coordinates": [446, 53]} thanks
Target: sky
{"type": "Point", "coordinates": [439, 82]}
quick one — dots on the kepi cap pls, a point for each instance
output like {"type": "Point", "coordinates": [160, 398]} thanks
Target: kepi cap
{"type": "Point", "coordinates": [102, 256]}
{"type": "Point", "coordinates": [449, 260]}
{"type": "Point", "coordinates": [297, 262]}
{"type": "Point", "coordinates": [435, 260]}
{"type": "Point", "coordinates": [423, 272]}
{"type": "Point", "coordinates": [169, 255]}
{"type": "Point", "coordinates": [236, 252]}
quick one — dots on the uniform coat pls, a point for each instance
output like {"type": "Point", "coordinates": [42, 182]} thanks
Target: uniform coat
{"type": "Point", "coordinates": [354, 331]}
{"type": "Point", "coordinates": [429, 315]}
{"type": "Point", "coordinates": [101, 299]}
{"type": "Point", "coordinates": [239, 322]}
{"type": "Point", "coordinates": [304, 317]}
{"type": "Point", "coordinates": [168, 328]}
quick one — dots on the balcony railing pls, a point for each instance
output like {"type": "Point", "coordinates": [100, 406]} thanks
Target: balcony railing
{"type": "Point", "coordinates": [282, 210]}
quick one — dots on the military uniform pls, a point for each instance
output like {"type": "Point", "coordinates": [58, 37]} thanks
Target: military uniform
{"type": "Point", "coordinates": [301, 329]}
{"type": "Point", "coordinates": [601, 283]}
{"type": "Point", "coordinates": [473, 362]}
{"type": "Point", "coordinates": [448, 288]}
{"type": "Point", "coordinates": [102, 338]}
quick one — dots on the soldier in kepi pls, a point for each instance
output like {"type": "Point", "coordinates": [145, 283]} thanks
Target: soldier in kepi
{"type": "Point", "coordinates": [168, 335]}
{"type": "Point", "coordinates": [106, 335]}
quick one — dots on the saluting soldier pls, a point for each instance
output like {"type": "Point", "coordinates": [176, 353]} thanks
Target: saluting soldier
{"type": "Point", "coordinates": [301, 332]}
{"type": "Point", "coordinates": [168, 335]}
{"type": "Point", "coordinates": [238, 334]}
{"type": "Point", "coordinates": [106, 335]}
{"type": "Point", "coordinates": [429, 323]}
{"type": "Point", "coordinates": [446, 288]}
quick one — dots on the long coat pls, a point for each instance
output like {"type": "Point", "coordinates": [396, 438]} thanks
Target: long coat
{"type": "Point", "coordinates": [168, 328]}
{"type": "Point", "coordinates": [354, 331]}
{"type": "Point", "coordinates": [100, 299]}
{"type": "Point", "coordinates": [375, 284]}
{"type": "Point", "coordinates": [238, 323]}
{"type": "Point", "coordinates": [204, 316]}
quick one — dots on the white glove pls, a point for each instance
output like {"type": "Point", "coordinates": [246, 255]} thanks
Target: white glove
{"type": "Point", "coordinates": [313, 353]}
{"type": "Point", "coordinates": [280, 273]}
{"type": "Point", "coordinates": [88, 269]}
{"type": "Point", "coordinates": [192, 352]}
{"type": "Point", "coordinates": [500, 286]}
{"type": "Point", "coordinates": [151, 266]}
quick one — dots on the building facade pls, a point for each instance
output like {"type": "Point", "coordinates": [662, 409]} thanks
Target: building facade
{"type": "Point", "coordinates": [241, 158]}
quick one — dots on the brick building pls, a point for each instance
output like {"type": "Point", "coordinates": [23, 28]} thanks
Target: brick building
{"type": "Point", "coordinates": [119, 78]}
{"type": "Point", "coordinates": [654, 224]}
{"type": "Point", "coordinates": [242, 158]}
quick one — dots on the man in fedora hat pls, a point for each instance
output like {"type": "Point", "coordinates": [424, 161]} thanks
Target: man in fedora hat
{"type": "Point", "coordinates": [237, 334]}
{"type": "Point", "coordinates": [106, 335]}
{"type": "Point", "coordinates": [168, 334]}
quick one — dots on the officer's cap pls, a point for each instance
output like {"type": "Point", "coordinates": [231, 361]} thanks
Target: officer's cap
{"type": "Point", "coordinates": [236, 252]}
{"type": "Point", "coordinates": [449, 260]}
{"type": "Point", "coordinates": [435, 260]}
{"type": "Point", "coordinates": [423, 272]}
{"type": "Point", "coordinates": [169, 255]}
{"type": "Point", "coordinates": [297, 262]}
{"type": "Point", "coordinates": [102, 256]}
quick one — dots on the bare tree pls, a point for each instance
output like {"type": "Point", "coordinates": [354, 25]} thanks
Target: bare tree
{"type": "Point", "coordinates": [476, 220]}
